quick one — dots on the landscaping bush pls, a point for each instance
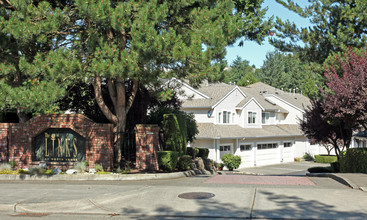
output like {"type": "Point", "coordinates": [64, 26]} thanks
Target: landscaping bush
{"type": "Point", "coordinates": [231, 161]}
{"type": "Point", "coordinates": [203, 153]}
{"type": "Point", "coordinates": [354, 161]}
{"type": "Point", "coordinates": [308, 157]}
{"type": "Point", "coordinates": [21, 171]}
{"type": "Point", "coordinates": [319, 170]}
{"type": "Point", "coordinates": [184, 163]}
{"type": "Point", "coordinates": [98, 167]}
{"type": "Point", "coordinates": [325, 159]}
{"type": "Point", "coordinates": [81, 167]}
{"type": "Point", "coordinates": [174, 140]}
{"type": "Point", "coordinates": [167, 160]}
{"type": "Point", "coordinates": [193, 152]}
{"type": "Point", "coordinates": [5, 166]}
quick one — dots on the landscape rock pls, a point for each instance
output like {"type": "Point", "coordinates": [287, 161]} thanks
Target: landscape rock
{"type": "Point", "coordinates": [71, 171]}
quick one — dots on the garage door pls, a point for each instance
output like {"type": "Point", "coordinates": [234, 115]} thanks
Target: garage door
{"type": "Point", "coordinates": [267, 153]}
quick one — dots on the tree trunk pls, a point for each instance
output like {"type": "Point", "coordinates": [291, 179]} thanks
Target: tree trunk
{"type": "Point", "coordinates": [122, 105]}
{"type": "Point", "coordinates": [23, 117]}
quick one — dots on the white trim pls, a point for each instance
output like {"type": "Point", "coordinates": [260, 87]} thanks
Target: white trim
{"type": "Point", "coordinates": [248, 102]}
{"type": "Point", "coordinates": [224, 97]}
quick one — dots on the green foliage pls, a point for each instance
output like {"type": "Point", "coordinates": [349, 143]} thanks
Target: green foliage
{"type": "Point", "coordinates": [103, 172]}
{"type": "Point", "coordinates": [167, 160]}
{"type": "Point", "coordinates": [231, 161]}
{"type": "Point", "coordinates": [336, 25]}
{"type": "Point", "coordinates": [37, 171]}
{"type": "Point", "coordinates": [81, 167]}
{"type": "Point", "coordinates": [48, 172]}
{"type": "Point", "coordinates": [308, 157]}
{"type": "Point", "coordinates": [12, 164]}
{"type": "Point", "coordinates": [354, 161]}
{"type": "Point", "coordinates": [203, 153]}
{"type": "Point", "coordinates": [184, 163]}
{"type": "Point", "coordinates": [6, 172]}
{"type": "Point", "coordinates": [21, 171]}
{"type": "Point", "coordinates": [240, 72]}
{"type": "Point", "coordinates": [288, 72]}
{"type": "Point", "coordinates": [325, 159]}
{"type": "Point", "coordinates": [5, 166]}
{"type": "Point", "coordinates": [174, 139]}
{"type": "Point", "coordinates": [156, 117]}
{"type": "Point", "coordinates": [98, 167]}
{"type": "Point", "coordinates": [192, 151]}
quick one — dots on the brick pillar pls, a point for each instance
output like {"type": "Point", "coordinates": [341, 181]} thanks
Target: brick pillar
{"type": "Point", "coordinates": [146, 146]}
{"type": "Point", "coordinates": [4, 157]}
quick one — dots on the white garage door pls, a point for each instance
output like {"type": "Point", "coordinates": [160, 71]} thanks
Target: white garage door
{"type": "Point", "coordinates": [267, 153]}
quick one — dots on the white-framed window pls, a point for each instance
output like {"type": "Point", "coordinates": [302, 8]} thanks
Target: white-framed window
{"type": "Point", "coordinates": [265, 117]}
{"type": "Point", "coordinates": [225, 147]}
{"type": "Point", "coordinates": [267, 146]}
{"type": "Point", "coordinates": [287, 144]}
{"type": "Point", "coordinates": [251, 119]}
{"type": "Point", "coordinates": [226, 117]}
{"type": "Point", "coordinates": [245, 147]}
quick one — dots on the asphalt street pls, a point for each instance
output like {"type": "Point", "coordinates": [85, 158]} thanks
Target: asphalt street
{"type": "Point", "coordinates": [235, 198]}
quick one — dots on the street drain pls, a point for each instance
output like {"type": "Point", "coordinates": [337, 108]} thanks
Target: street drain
{"type": "Point", "coordinates": [196, 195]}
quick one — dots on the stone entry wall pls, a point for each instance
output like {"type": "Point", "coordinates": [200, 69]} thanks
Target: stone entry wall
{"type": "Point", "coordinates": [16, 139]}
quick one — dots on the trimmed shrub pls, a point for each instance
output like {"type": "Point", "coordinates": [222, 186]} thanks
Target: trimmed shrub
{"type": "Point", "coordinates": [21, 171]}
{"type": "Point", "coordinates": [193, 152]}
{"type": "Point", "coordinates": [183, 128]}
{"type": "Point", "coordinates": [172, 134]}
{"type": "Point", "coordinates": [203, 153]}
{"type": "Point", "coordinates": [354, 161]}
{"type": "Point", "coordinates": [325, 159]}
{"type": "Point", "coordinates": [231, 161]}
{"type": "Point", "coordinates": [167, 160]}
{"type": "Point", "coordinates": [184, 163]}
{"type": "Point", "coordinates": [319, 170]}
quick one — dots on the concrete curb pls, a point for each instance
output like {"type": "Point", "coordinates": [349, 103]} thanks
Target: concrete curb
{"type": "Point", "coordinates": [336, 177]}
{"type": "Point", "coordinates": [113, 177]}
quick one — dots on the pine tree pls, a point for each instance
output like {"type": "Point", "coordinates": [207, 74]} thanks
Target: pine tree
{"type": "Point", "coordinates": [31, 59]}
{"type": "Point", "coordinates": [336, 25]}
{"type": "Point", "coordinates": [137, 43]}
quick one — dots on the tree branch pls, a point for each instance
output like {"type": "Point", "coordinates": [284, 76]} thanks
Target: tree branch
{"type": "Point", "coordinates": [134, 90]}
{"type": "Point", "coordinates": [98, 93]}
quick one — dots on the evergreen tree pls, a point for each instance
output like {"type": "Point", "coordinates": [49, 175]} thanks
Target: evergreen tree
{"type": "Point", "coordinates": [240, 72]}
{"type": "Point", "coordinates": [288, 72]}
{"type": "Point", "coordinates": [336, 25]}
{"type": "Point", "coordinates": [31, 59]}
{"type": "Point", "coordinates": [129, 44]}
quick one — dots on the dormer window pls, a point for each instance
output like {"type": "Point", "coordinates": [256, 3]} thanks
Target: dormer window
{"type": "Point", "coordinates": [251, 117]}
{"type": "Point", "coordinates": [265, 119]}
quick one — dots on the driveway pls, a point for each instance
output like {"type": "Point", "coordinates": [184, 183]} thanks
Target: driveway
{"type": "Point", "coordinates": [293, 169]}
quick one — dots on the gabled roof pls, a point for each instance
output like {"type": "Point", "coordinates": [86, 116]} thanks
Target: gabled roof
{"type": "Point", "coordinates": [212, 131]}
{"type": "Point", "coordinates": [259, 91]}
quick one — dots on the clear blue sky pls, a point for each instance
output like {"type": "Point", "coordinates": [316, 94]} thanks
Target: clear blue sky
{"type": "Point", "coordinates": [256, 53]}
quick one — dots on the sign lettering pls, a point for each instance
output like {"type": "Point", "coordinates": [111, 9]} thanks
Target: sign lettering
{"type": "Point", "coordinates": [59, 145]}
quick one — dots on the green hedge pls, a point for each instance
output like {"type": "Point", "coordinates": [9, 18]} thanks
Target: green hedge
{"type": "Point", "coordinates": [184, 163]}
{"type": "Point", "coordinates": [193, 152]}
{"type": "Point", "coordinates": [354, 161]}
{"type": "Point", "coordinates": [231, 161]}
{"type": "Point", "coordinates": [167, 160]}
{"type": "Point", "coordinates": [203, 153]}
{"type": "Point", "coordinates": [325, 159]}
